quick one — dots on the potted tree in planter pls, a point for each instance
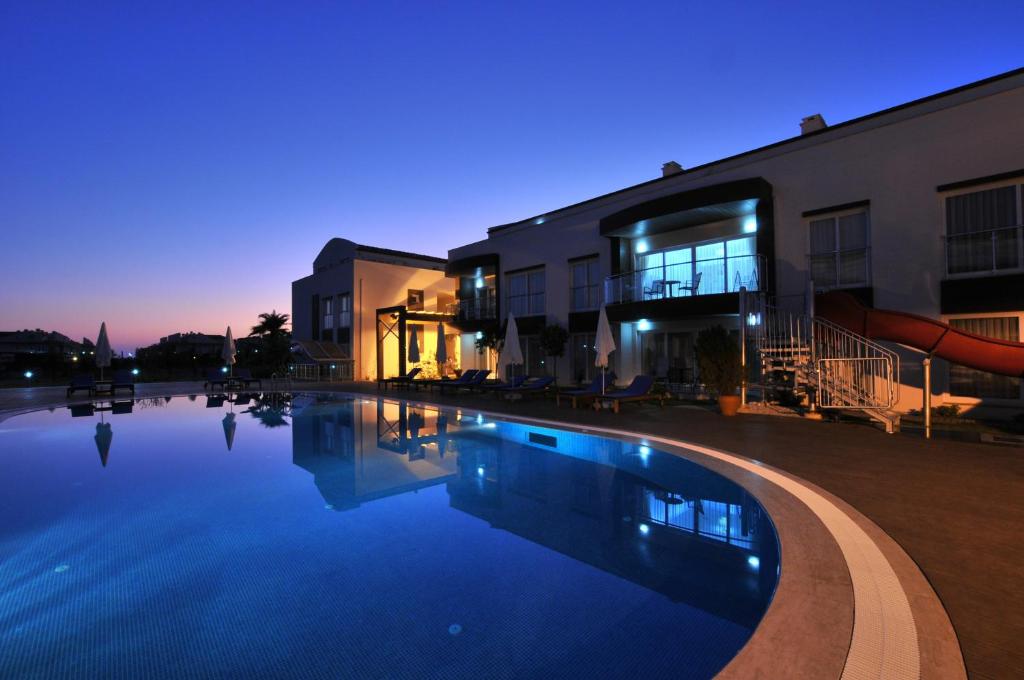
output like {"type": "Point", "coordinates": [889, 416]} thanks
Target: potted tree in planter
{"type": "Point", "coordinates": [718, 357]}
{"type": "Point", "coordinates": [552, 341]}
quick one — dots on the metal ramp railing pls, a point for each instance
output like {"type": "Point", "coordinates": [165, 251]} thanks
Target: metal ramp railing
{"type": "Point", "coordinates": [833, 367]}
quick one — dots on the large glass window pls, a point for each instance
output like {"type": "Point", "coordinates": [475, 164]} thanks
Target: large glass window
{"type": "Point", "coordinates": [345, 310]}
{"type": "Point", "coordinates": [968, 382]}
{"type": "Point", "coordinates": [582, 356]}
{"type": "Point", "coordinates": [983, 231]}
{"type": "Point", "coordinates": [526, 292]}
{"type": "Point", "coordinates": [583, 284]}
{"type": "Point", "coordinates": [533, 355]}
{"type": "Point", "coordinates": [722, 266]}
{"type": "Point", "coordinates": [839, 251]}
{"type": "Point", "coordinates": [327, 310]}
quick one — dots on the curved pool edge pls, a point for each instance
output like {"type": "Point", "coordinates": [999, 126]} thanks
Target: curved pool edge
{"type": "Point", "coordinates": [899, 627]}
{"type": "Point", "coordinates": [831, 615]}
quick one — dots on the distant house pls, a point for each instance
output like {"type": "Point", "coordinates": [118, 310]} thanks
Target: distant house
{"type": "Point", "coordinates": [185, 344]}
{"type": "Point", "coordinates": [40, 342]}
{"type": "Point", "coordinates": [364, 304]}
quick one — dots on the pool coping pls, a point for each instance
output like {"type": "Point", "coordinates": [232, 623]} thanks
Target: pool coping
{"type": "Point", "coordinates": [849, 602]}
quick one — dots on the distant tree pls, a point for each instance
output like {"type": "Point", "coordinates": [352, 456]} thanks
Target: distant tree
{"type": "Point", "coordinates": [275, 341]}
{"type": "Point", "coordinates": [271, 324]}
{"type": "Point", "coordinates": [553, 340]}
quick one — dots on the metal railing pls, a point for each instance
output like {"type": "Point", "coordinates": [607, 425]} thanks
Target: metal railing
{"type": "Point", "coordinates": [483, 305]}
{"type": "Point", "coordinates": [985, 251]}
{"type": "Point", "coordinates": [687, 279]}
{"type": "Point", "coordinates": [339, 370]}
{"type": "Point", "coordinates": [844, 370]}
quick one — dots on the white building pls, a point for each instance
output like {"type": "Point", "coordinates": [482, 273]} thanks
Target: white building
{"type": "Point", "coordinates": [917, 208]}
{"type": "Point", "coordinates": [364, 305]}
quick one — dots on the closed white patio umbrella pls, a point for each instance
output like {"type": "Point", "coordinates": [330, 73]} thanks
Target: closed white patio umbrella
{"type": "Point", "coordinates": [511, 352]}
{"type": "Point", "coordinates": [103, 353]}
{"type": "Point", "coordinates": [604, 345]}
{"type": "Point", "coordinates": [228, 352]}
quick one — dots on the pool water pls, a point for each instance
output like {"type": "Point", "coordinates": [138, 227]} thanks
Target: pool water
{"type": "Point", "coordinates": [315, 536]}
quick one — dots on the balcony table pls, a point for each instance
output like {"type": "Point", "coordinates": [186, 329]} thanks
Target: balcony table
{"type": "Point", "coordinates": [669, 285]}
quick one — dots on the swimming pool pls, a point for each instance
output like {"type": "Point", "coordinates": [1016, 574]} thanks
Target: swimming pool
{"type": "Point", "coordinates": [326, 536]}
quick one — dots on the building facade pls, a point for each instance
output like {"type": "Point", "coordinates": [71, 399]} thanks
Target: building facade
{"type": "Point", "coordinates": [369, 305]}
{"type": "Point", "coordinates": [917, 208]}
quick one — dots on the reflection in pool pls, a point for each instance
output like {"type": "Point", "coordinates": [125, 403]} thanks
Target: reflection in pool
{"type": "Point", "coordinates": [313, 536]}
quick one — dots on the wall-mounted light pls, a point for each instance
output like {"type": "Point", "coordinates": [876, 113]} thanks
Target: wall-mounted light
{"type": "Point", "coordinates": [479, 335]}
{"type": "Point", "coordinates": [644, 529]}
{"type": "Point", "coordinates": [29, 374]}
{"type": "Point", "coordinates": [641, 246]}
{"type": "Point", "coordinates": [754, 562]}
{"type": "Point", "coordinates": [749, 224]}
{"type": "Point", "coordinates": [135, 371]}
{"type": "Point", "coordinates": [644, 325]}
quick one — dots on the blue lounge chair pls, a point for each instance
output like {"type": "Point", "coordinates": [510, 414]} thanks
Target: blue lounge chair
{"type": "Point", "coordinates": [515, 382]}
{"type": "Point", "coordinates": [399, 379]}
{"type": "Point", "coordinates": [589, 392]}
{"type": "Point", "coordinates": [82, 382]}
{"type": "Point", "coordinates": [638, 390]}
{"type": "Point", "coordinates": [123, 379]}
{"type": "Point", "coordinates": [473, 382]}
{"type": "Point", "coordinates": [463, 379]}
{"type": "Point", "coordinates": [531, 387]}
{"type": "Point", "coordinates": [215, 377]}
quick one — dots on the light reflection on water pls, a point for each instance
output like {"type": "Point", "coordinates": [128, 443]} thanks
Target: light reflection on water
{"type": "Point", "coordinates": [238, 535]}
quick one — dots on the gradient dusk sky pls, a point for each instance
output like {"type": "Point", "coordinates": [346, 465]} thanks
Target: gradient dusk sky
{"type": "Point", "coordinates": [174, 166]}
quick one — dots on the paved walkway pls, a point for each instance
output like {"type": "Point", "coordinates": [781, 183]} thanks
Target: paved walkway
{"type": "Point", "coordinates": [956, 508]}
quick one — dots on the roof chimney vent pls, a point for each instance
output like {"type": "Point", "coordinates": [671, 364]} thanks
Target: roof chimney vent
{"type": "Point", "coordinates": [812, 124]}
{"type": "Point", "coordinates": [671, 168]}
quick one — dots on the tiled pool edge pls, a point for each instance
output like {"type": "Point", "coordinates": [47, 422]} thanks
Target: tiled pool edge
{"type": "Point", "coordinates": [767, 655]}
{"type": "Point", "coordinates": [886, 634]}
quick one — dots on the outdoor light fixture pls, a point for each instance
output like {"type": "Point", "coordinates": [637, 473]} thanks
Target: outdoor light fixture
{"type": "Point", "coordinates": [643, 325]}
{"type": "Point", "coordinates": [135, 371]}
{"type": "Point", "coordinates": [642, 247]}
{"type": "Point", "coordinates": [29, 374]}
{"type": "Point", "coordinates": [754, 562]}
{"type": "Point", "coordinates": [750, 225]}
{"type": "Point", "coordinates": [74, 358]}
{"type": "Point", "coordinates": [479, 335]}
{"type": "Point", "coordinates": [753, 319]}
{"type": "Point", "coordinates": [223, 369]}
{"type": "Point", "coordinates": [480, 471]}
{"type": "Point", "coordinates": [644, 529]}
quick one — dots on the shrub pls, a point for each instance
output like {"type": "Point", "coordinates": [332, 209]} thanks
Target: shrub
{"type": "Point", "coordinates": [718, 357]}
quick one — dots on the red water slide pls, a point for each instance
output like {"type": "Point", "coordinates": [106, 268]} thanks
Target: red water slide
{"type": "Point", "coordinates": [928, 335]}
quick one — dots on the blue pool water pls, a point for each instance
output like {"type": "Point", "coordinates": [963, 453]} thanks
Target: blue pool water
{"type": "Point", "coordinates": [334, 537]}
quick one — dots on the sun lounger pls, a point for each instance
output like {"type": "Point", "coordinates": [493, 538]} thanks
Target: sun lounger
{"type": "Point", "coordinates": [215, 400]}
{"type": "Point", "coordinates": [244, 376]}
{"type": "Point", "coordinates": [474, 381]}
{"type": "Point", "coordinates": [215, 377]}
{"type": "Point", "coordinates": [516, 381]}
{"type": "Point", "coordinates": [123, 379]}
{"type": "Point", "coordinates": [461, 380]}
{"type": "Point", "coordinates": [587, 393]}
{"type": "Point", "coordinates": [638, 390]}
{"type": "Point", "coordinates": [531, 387]}
{"type": "Point", "coordinates": [82, 382]}
{"type": "Point", "coordinates": [400, 379]}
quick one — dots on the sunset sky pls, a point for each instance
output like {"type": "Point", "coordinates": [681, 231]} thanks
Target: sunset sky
{"type": "Point", "coordinates": [175, 168]}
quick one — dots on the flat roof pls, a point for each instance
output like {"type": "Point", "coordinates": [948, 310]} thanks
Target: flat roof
{"type": "Point", "coordinates": [773, 145]}
{"type": "Point", "coordinates": [400, 253]}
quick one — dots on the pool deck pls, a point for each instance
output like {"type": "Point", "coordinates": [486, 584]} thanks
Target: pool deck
{"type": "Point", "coordinates": [956, 508]}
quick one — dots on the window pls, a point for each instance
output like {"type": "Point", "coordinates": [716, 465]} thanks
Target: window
{"type": "Point", "coordinates": [526, 292]}
{"type": "Point", "coordinates": [582, 356]}
{"type": "Point", "coordinates": [583, 284]}
{"type": "Point", "coordinates": [721, 266]}
{"type": "Point", "coordinates": [327, 309]}
{"type": "Point", "coordinates": [983, 231]}
{"type": "Point", "coordinates": [839, 251]}
{"type": "Point", "coordinates": [533, 355]}
{"type": "Point", "coordinates": [968, 382]}
{"type": "Point", "coordinates": [345, 310]}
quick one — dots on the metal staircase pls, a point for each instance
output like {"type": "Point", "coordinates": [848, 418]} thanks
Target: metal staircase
{"type": "Point", "coordinates": [824, 366]}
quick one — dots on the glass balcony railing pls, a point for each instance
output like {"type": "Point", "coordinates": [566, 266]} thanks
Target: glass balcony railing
{"type": "Point", "coordinates": [988, 251]}
{"type": "Point", "coordinates": [687, 279]}
{"type": "Point", "coordinates": [482, 306]}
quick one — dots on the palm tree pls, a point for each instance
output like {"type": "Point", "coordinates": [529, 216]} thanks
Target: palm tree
{"type": "Point", "coordinates": [271, 324]}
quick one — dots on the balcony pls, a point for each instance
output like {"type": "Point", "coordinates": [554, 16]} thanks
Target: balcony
{"type": "Point", "coordinates": [481, 307]}
{"type": "Point", "coordinates": [985, 252]}
{"type": "Point", "coordinates": [687, 279]}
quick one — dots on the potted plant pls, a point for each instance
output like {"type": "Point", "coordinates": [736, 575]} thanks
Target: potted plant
{"type": "Point", "coordinates": [718, 357]}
